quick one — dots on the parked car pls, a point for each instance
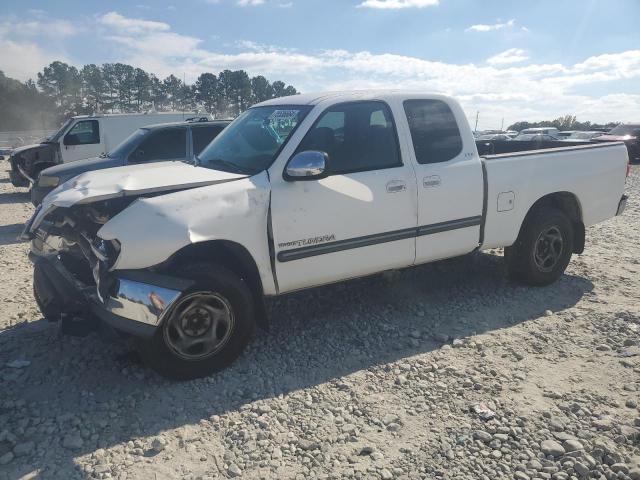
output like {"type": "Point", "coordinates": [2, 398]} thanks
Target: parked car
{"type": "Point", "coordinates": [581, 136]}
{"type": "Point", "coordinates": [179, 141]}
{"type": "Point", "coordinates": [541, 131]}
{"type": "Point", "coordinates": [535, 137]}
{"type": "Point", "coordinates": [299, 192]}
{"type": "Point", "coordinates": [629, 134]}
{"type": "Point", "coordinates": [495, 136]}
{"type": "Point", "coordinates": [80, 137]}
{"type": "Point", "coordinates": [561, 135]}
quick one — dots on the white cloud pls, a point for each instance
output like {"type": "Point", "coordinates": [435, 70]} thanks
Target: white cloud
{"type": "Point", "coordinates": [513, 55]}
{"type": "Point", "coordinates": [56, 29]}
{"type": "Point", "coordinates": [397, 4]}
{"type": "Point", "coordinates": [241, 3]}
{"type": "Point", "coordinates": [500, 87]}
{"type": "Point", "coordinates": [132, 25]}
{"type": "Point", "coordinates": [481, 27]}
{"type": "Point", "coordinates": [28, 44]}
{"type": "Point", "coordinates": [22, 60]}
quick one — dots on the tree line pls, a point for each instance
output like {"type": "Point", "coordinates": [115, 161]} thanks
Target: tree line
{"type": "Point", "coordinates": [566, 122]}
{"type": "Point", "coordinates": [62, 90]}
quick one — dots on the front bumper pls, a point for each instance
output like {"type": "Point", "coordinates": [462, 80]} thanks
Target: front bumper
{"type": "Point", "coordinates": [622, 205]}
{"type": "Point", "coordinates": [134, 301]}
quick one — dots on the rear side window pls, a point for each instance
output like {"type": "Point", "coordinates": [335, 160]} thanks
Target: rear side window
{"type": "Point", "coordinates": [434, 131]}
{"type": "Point", "coordinates": [357, 137]}
{"type": "Point", "coordinates": [166, 144]}
{"type": "Point", "coordinates": [202, 136]}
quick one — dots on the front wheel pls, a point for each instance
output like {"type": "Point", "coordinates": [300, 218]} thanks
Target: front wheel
{"type": "Point", "coordinates": [206, 329]}
{"type": "Point", "coordinates": [543, 248]}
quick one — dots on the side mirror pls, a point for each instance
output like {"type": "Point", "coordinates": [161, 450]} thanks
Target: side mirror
{"type": "Point", "coordinates": [71, 139]}
{"type": "Point", "coordinates": [137, 155]}
{"type": "Point", "coordinates": [308, 165]}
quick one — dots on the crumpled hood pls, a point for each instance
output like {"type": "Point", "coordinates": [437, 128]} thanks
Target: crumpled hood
{"type": "Point", "coordinates": [126, 181]}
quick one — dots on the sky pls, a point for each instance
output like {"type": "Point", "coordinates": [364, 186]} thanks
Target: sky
{"type": "Point", "coordinates": [512, 60]}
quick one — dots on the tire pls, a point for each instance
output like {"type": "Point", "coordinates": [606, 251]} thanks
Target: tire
{"type": "Point", "coordinates": [48, 307]}
{"type": "Point", "coordinates": [206, 329]}
{"type": "Point", "coordinates": [543, 249]}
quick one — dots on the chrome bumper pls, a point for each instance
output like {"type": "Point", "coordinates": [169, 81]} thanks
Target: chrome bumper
{"type": "Point", "coordinates": [135, 301]}
{"type": "Point", "coordinates": [141, 302]}
{"type": "Point", "coordinates": [622, 205]}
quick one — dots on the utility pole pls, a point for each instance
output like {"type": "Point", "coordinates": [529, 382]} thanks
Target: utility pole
{"type": "Point", "coordinates": [502, 125]}
{"type": "Point", "coordinates": [477, 115]}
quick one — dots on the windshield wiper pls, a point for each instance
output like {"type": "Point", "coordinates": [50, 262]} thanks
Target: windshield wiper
{"type": "Point", "coordinates": [229, 165]}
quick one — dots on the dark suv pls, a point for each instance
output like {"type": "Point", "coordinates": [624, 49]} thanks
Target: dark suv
{"type": "Point", "coordinates": [153, 143]}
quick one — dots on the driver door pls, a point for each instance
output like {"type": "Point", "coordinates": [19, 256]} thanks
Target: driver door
{"type": "Point", "coordinates": [82, 141]}
{"type": "Point", "coordinates": [361, 218]}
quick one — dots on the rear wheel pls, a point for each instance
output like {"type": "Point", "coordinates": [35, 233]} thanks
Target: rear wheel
{"type": "Point", "coordinates": [207, 328]}
{"type": "Point", "coordinates": [543, 248]}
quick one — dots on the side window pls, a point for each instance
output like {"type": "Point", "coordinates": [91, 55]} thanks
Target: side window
{"type": "Point", "coordinates": [166, 144]}
{"type": "Point", "coordinates": [202, 136]}
{"type": "Point", "coordinates": [357, 137]}
{"type": "Point", "coordinates": [85, 132]}
{"type": "Point", "coordinates": [434, 131]}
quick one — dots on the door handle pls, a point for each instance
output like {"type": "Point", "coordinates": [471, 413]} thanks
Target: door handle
{"type": "Point", "coordinates": [395, 186]}
{"type": "Point", "coordinates": [431, 181]}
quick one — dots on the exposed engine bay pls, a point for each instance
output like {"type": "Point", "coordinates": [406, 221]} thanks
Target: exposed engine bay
{"type": "Point", "coordinates": [71, 234]}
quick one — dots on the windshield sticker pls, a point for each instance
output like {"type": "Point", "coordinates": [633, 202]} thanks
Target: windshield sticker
{"type": "Point", "coordinates": [283, 115]}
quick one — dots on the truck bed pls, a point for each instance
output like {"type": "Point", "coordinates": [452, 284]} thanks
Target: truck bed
{"type": "Point", "coordinates": [592, 174]}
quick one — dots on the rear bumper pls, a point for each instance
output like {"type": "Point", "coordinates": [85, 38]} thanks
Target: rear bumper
{"type": "Point", "coordinates": [134, 302]}
{"type": "Point", "coordinates": [622, 205]}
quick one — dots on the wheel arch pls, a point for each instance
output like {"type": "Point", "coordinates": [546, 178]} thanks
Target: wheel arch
{"type": "Point", "coordinates": [569, 204]}
{"type": "Point", "coordinates": [231, 255]}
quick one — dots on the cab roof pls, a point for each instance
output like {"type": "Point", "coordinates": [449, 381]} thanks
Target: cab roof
{"type": "Point", "coordinates": [315, 98]}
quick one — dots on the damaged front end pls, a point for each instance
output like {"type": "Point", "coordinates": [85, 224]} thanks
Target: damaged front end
{"type": "Point", "coordinates": [73, 278]}
{"type": "Point", "coordinates": [26, 162]}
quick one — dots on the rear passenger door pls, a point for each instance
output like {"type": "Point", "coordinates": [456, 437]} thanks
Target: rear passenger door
{"type": "Point", "coordinates": [202, 136]}
{"type": "Point", "coordinates": [359, 220]}
{"type": "Point", "coordinates": [161, 145]}
{"type": "Point", "coordinates": [450, 179]}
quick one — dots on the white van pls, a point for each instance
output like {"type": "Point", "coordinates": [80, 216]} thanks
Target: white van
{"type": "Point", "coordinates": [81, 137]}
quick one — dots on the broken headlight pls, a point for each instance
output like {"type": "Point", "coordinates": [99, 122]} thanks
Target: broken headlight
{"type": "Point", "coordinates": [106, 251]}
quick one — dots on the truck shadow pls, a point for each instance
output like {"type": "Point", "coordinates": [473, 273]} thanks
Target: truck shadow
{"type": "Point", "coordinates": [7, 198]}
{"type": "Point", "coordinates": [9, 233]}
{"type": "Point", "coordinates": [92, 388]}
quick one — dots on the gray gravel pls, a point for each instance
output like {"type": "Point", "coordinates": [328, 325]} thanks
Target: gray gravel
{"type": "Point", "coordinates": [379, 378]}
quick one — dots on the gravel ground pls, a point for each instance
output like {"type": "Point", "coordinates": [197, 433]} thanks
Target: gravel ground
{"type": "Point", "coordinates": [390, 377]}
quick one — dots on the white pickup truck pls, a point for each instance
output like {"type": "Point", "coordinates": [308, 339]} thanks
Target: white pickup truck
{"type": "Point", "coordinates": [299, 192]}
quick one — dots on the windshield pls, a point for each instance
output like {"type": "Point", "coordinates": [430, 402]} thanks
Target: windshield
{"type": "Point", "coordinates": [53, 138]}
{"type": "Point", "coordinates": [622, 130]}
{"type": "Point", "coordinates": [129, 144]}
{"type": "Point", "coordinates": [252, 141]}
